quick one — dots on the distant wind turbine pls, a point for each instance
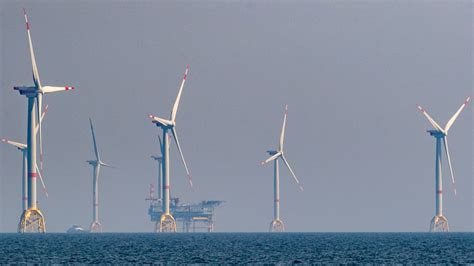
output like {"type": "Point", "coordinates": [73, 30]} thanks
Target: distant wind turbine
{"type": "Point", "coordinates": [439, 223]}
{"type": "Point", "coordinates": [167, 221]}
{"type": "Point", "coordinates": [277, 224]}
{"type": "Point", "coordinates": [96, 226]}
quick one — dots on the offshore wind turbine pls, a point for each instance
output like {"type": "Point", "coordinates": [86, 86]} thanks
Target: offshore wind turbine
{"type": "Point", "coordinates": [96, 226]}
{"type": "Point", "coordinates": [277, 224]}
{"type": "Point", "coordinates": [24, 180]}
{"type": "Point", "coordinates": [439, 223]}
{"type": "Point", "coordinates": [167, 221]}
{"type": "Point", "coordinates": [32, 220]}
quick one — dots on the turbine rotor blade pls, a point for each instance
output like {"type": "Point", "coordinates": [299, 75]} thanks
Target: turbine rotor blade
{"type": "Point", "coordinates": [431, 120]}
{"type": "Point", "coordinates": [173, 130]}
{"type": "Point", "coordinates": [96, 151]}
{"type": "Point", "coordinates": [97, 171]}
{"type": "Point", "coordinates": [291, 170]}
{"type": "Point", "coordinates": [16, 144]}
{"type": "Point", "coordinates": [39, 103]}
{"type": "Point", "coordinates": [107, 165]}
{"type": "Point", "coordinates": [51, 89]}
{"type": "Point", "coordinates": [282, 136]}
{"type": "Point", "coordinates": [271, 158]}
{"type": "Point", "coordinates": [178, 98]}
{"type": "Point", "coordinates": [450, 122]}
{"type": "Point", "coordinates": [42, 182]}
{"type": "Point", "coordinates": [42, 117]}
{"type": "Point", "coordinates": [34, 67]}
{"type": "Point", "coordinates": [446, 148]}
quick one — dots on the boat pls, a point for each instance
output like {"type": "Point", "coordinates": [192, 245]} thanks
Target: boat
{"type": "Point", "coordinates": [76, 229]}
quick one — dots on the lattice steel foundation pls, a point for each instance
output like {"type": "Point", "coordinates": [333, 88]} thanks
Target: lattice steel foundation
{"type": "Point", "coordinates": [277, 226]}
{"type": "Point", "coordinates": [439, 223]}
{"type": "Point", "coordinates": [167, 223]}
{"type": "Point", "coordinates": [32, 221]}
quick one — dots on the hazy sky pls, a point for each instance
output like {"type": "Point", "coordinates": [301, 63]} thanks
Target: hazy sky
{"type": "Point", "coordinates": [351, 72]}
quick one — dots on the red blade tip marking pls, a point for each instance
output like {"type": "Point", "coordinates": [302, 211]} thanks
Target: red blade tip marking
{"type": "Point", "coordinates": [186, 72]}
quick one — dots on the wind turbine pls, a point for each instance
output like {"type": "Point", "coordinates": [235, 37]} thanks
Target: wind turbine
{"type": "Point", "coordinates": [167, 222]}
{"type": "Point", "coordinates": [439, 223]}
{"type": "Point", "coordinates": [96, 226]}
{"type": "Point", "coordinates": [159, 160]}
{"type": "Point", "coordinates": [277, 224]}
{"type": "Point", "coordinates": [24, 150]}
{"type": "Point", "coordinates": [32, 220]}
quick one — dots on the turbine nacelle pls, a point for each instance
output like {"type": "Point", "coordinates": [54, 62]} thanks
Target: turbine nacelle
{"type": "Point", "coordinates": [437, 133]}
{"type": "Point", "coordinates": [272, 152]}
{"type": "Point", "coordinates": [157, 158]}
{"type": "Point", "coordinates": [92, 162]}
{"type": "Point", "coordinates": [27, 90]}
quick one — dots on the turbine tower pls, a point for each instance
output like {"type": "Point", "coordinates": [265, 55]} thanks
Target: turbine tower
{"type": "Point", "coordinates": [24, 181]}
{"type": "Point", "coordinates": [439, 223]}
{"type": "Point", "coordinates": [96, 226]}
{"type": "Point", "coordinates": [159, 160]}
{"type": "Point", "coordinates": [277, 224]}
{"type": "Point", "coordinates": [32, 220]}
{"type": "Point", "coordinates": [167, 221]}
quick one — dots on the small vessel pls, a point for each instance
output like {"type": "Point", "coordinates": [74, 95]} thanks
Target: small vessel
{"type": "Point", "coordinates": [76, 229]}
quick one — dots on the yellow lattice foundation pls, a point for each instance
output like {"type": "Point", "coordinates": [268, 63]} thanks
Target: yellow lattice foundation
{"type": "Point", "coordinates": [32, 221]}
{"type": "Point", "coordinates": [167, 224]}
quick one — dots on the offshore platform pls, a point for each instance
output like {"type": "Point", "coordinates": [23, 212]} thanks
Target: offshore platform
{"type": "Point", "coordinates": [190, 217]}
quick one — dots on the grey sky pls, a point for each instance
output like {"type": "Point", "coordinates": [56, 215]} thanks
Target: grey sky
{"type": "Point", "coordinates": [351, 72]}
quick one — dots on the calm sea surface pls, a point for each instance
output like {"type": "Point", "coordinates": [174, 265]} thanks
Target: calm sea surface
{"type": "Point", "coordinates": [282, 248]}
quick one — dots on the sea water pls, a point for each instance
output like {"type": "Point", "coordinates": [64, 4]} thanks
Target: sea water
{"type": "Point", "coordinates": [217, 248]}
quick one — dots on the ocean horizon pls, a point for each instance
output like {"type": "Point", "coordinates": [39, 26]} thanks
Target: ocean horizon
{"type": "Point", "coordinates": [253, 248]}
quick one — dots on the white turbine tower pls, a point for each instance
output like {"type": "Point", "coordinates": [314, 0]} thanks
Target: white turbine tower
{"type": "Point", "coordinates": [439, 223]}
{"type": "Point", "coordinates": [277, 224]}
{"type": "Point", "coordinates": [167, 222]}
{"type": "Point", "coordinates": [96, 226]}
{"type": "Point", "coordinates": [32, 220]}
{"type": "Point", "coordinates": [24, 150]}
